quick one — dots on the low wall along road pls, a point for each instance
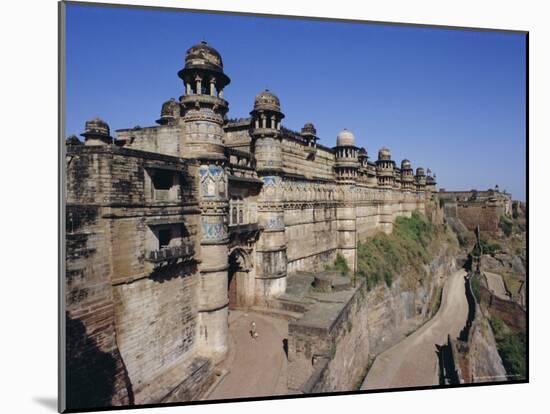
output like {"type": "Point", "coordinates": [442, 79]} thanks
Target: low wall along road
{"type": "Point", "coordinates": [413, 362]}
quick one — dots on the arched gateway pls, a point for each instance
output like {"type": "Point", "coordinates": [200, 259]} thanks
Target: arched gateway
{"type": "Point", "coordinates": [240, 284]}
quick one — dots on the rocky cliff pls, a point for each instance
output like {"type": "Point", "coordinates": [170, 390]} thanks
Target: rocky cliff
{"type": "Point", "coordinates": [393, 312]}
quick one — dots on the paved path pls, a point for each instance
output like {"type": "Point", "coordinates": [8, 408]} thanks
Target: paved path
{"type": "Point", "coordinates": [496, 285]}
{"type": "Point", "coordinates": [257, 367]}
{"type": "Point", "coordinates": [414, 361]}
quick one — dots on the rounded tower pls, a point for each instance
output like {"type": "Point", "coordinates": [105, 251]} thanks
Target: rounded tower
{"type": "Point", "coordinates": [309, 133]}
{"type": "Point", "coordinates": [202, 112]}
{"type": "Point", "coordinates": [407, 176]}
{"type": "Point", "coordinates": [267, 147]}
{"type": "Point", "coordinates": [266, 133]}
{"type": "Point", "coordinates": [346, 168]}
{"type": "Point", "coordinates": [420, 179]}
{"type": "Point", "coordinates": [346, 156]}
{"type": "Point", "coordinates": [385, 169]}
{"type": "Point", "coordinates": [203, 107]}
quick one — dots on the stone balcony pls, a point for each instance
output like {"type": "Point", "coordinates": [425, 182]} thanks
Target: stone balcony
{"type": "Point", "coordinates": [243, 228]}
{"type": "Point", "coordinates": [171, 254]}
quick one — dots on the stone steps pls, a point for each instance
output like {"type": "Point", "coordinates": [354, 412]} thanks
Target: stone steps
{"type": "Point", "coordinates": [277, 313]}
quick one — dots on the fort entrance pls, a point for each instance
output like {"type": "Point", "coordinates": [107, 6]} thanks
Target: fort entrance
{"type": "Point", "coordinates": [239, 282]}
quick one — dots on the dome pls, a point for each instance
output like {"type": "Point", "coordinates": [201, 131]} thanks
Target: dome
{"type": "Point", "coordinates": [169, 111]}
{"type": "Point", "coordinates": [384, 154]}
{"type": "Point", "coordinates": [267, 101]}
{"type": "Point", "coordinates": [73, 140]}
{"type": "Point", "coordinates": [345, 139]}
{"type": "Point", "coordinates": [420, 171]}
{"type": "Point", "coordinates": [309, 129]}
{"type": "Point", "coordinates": [96, 127]}
{"type": "Point", "coordinates": [203, 56]}
{"type": "Point", "coordinates": [405, 164]}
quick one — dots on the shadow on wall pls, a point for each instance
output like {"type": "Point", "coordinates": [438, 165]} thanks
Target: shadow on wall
{"type": "Point", "coordinates": [90, 372]}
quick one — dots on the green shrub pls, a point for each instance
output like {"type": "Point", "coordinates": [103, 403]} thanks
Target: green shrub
{"type": "Point", "coordinates": [487, 247]}
{"type": "Point", "coordinates": [512, 348]}
{"type": "Point", "coordinates": [340, 265]}
{"type": "Point", "coordinates": [506, 225]}
{"type": "Point", "coordinates": [383, 256]}
{"type": "Point", "coordinates": [387, 278]}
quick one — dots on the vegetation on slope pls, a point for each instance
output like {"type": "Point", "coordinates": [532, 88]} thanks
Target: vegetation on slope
{"type": "Point", "coordinates": [512, 348]}
{"type": "Point", "coordinates": [407, 248]}
{"type": "Point", "coordinates": [340, 265]}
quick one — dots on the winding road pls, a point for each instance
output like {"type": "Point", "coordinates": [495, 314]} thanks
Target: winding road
{"type": "Point", "coordinates": [413, 362]}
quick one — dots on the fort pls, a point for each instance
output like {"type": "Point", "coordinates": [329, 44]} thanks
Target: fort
{"type": "Point", "coordinates": [170, 228]}
{"type": "Point", "coordinates": [477, 207]}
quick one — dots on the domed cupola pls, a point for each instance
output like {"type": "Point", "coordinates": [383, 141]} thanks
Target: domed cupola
{"type": "Point", "coordinates": [97, 132]}
{"type": "Point", "coordinates": [346, 156]}
{"type": "Point", "coordinates": [309, 133]}
{"type": "Point", "coordinates": [345, 139]}
{"type": "Point", "coordinates": [384, 154]}
{"type": "Point", "coordinates": [267, 111]}
{"type": "Point", "coordinates": [203, 72]}
{"type": "Point", "coordinates": [267, 101]}
{"type": "Point", "coordinates": [169, 113]}
{"type": "Point", "coordinates": [203, 58]}
{"type": "Point", "coordinates": [385, 169]}
{"type": "Point", "coordinates": [266, 133]}
{"type": "Point", "coordinates": [407, 175]}
{"type": "Point", "coordinates": [420, 179]}
{"type": "Point", "coordinates": [202, 109]}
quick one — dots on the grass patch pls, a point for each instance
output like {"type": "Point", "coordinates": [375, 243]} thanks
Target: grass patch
{"type": "Point", "coordinates": [340, 265]}
{"type": "Point", "coordinates": [487, 247]}
{"type": "Point", "coordinates": [506, 225]}
{"type": "Point", "coordinates": [383, 256]}
{"type": "Point", "coordinates": [512, 348]}
{"type": "Point", "coordinates": [475, 283]}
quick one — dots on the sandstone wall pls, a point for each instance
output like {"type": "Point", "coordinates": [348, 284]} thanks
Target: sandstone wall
{"type": "Point", "coordinates": [311, 237]}
{"type": "Point", "coordinates": [96, 375]}
{"type": "Point", "coordinates": [331, 356]}
{"type": "Point", "coordinates": [158, 139]}
{"type": "Point", "coordinates": [509, 311]}
{"type": "Point", "coordinates": [117, 352]}
{"type": "Point", "coordinates": [473, 214]}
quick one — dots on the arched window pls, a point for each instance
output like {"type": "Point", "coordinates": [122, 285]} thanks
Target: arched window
{"type": "Point", "coordinates": [234, 215]}
{"type": "Point", "coordinates": [241, 216]}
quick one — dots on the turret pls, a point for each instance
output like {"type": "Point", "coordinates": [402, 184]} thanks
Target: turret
{"type": "Point", "coordinates": [97, 133]}
{"type": "Point", "coordinates": [202, 111]}
{"type": "Point", "coordinates": [202, 107]}
{"type": "Point", "coordinates": [169, 112]}
{"type": "Point", "coordinates": [266, 133]}
{"type": "Point", "coordinates": [271, 246]}
{"type": "Point", "coordinates": [384, 169]}
{"type": "Point", "coordinates": [420, 179]}
{"type": "Point", "coordinates": [309, 133]}
{"type": "Point", "coordinates": [346, 157]}
{"type": "Point", "coordinates": [430, 182]}
{"type": "Point", "coordinates": [407, 176]}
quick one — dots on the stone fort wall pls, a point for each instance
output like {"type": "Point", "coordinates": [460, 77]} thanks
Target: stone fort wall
{"type": "Point", "coordinates": [180, 222]}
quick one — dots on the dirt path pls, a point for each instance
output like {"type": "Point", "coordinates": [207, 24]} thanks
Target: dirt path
{"type": "Point", "coordinates": [414, 361]}
{"type": "Point", "coordinates": [257, 367]}
{"type": "Point", "coordinates": [496, 285]}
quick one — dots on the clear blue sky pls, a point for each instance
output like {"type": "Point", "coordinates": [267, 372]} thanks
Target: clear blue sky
{"type": "Point", "coordinates": [450, 100]}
